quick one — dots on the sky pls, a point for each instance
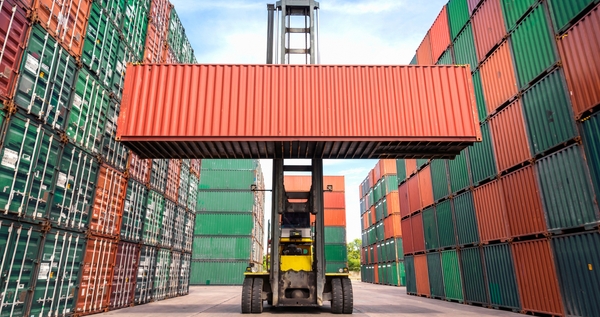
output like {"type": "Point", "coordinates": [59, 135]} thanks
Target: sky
{"type": "Point", "coordinates": [371, 32]}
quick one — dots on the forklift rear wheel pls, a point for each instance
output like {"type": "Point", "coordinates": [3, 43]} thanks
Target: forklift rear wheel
{"type": "Point", "coordinates": [348, 296]}
{"type": "Point", "coordinates": [247, 295]}
{"type": "Point", "coordinates": [257, 302]}
{"type": "Point", "coordinates": [337, 296]}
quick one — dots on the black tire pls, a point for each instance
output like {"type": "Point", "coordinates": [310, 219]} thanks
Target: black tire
{"type": "Point", "coordinates": [348, 296]}
{"type": "Point", "coordinates": [337, 296]}
{"type": "Point", "coordinates": [257, 302]}
{"type": "Point", "coordinates": [247, 295]}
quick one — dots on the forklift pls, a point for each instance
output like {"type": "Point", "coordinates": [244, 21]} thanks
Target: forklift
{"type": "Point", "coordinates": [296, 276]}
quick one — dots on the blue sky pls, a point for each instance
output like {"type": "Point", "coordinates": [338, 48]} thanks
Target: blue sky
{"type": "Point", "coordinates": [351, 32]}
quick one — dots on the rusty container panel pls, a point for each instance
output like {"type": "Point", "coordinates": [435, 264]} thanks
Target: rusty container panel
{"type": "Point", "coordinates": [498, 78]}
{"type": "Point", "coordinates": [96, 276]}
{"type": "Point", "coordinates": [536, 277]}
{"type": "Point", "coordinates": [65, 21]}
{"type": "Point", "coordinates": [488, 27]}
{"type": "Point", "coordinates": [107, 214]}
{"type": "Point", "coordinates": [491, 212]}
{"type": "Point", "coordinates": [139, 169]}
{"type": "Point", "coordinates": [411, 167]}
{"type": "Point", "coordinates": [173, 175]}
{"type": "Point", "coordinates": [155, 42]}
{"type": "Point", "coordinates": [13, 34]}
{"type": "Point", "coordinates": [425, 187]}
{"type": "Point", "coordinates": [579, 49]}
{"type": "Point", "coordinates": [439, 35]}
{"type": "Point", "coordinates": [403, 195]}
{"type": "Point", "coordinates": [523, 203]}
{"type": "Point", "coordinates": [510, 138]}
{"type": "Point", "coordinates": [424, 51]}
{"type": "Point", "coordinates": [334, 200]}
{"type": "Point", "coordinates": [418, 235]}
{"type": "Point", "coordinates": [204, 107]}
{"type": "Point", "coordinates": [124, 275]}
{"type": "Point", "coordinates": [387, 167]}
{"type": "Point", "coordinates": [407, 240]}
{"type": "Point", "coordinates": [414, 194]}
{"type": "Point", "coordinates": [422, 275]}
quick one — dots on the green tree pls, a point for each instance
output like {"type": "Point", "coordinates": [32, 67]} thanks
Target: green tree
{"type": "Point", "coordinates": [354, 255]}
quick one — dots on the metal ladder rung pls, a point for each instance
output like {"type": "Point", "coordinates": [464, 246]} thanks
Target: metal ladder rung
{"type": "Point", "coordinates": [297, 51]}
{"type": "Point", "coordinates": [298, 30]}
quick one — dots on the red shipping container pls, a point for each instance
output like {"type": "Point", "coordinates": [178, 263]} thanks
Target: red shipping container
{"type": "Point", "coordinates": [473, 4]}
{"type": "Point", "coordinates": [362, 256]}
{"type": "Point", "coordinates": [111, 188]}
{"type": "Point", "coordinates": [173, 175]}
{"type": "Point", "coordinates": [365, 219]}
{"type": "Point", "coordinates": [66, 21]}
{"type": "Point", "coordinates": [372, 179]}
{"type": "Point", "coordinates": [424, 51]}
{"type": "Point", "coordinates": [377, 171]}
{"type": "Point", "coordinates": [407, 240]}
{"type": "Point", "coordinates": [155, 43]}
{"type": "Point", "coordinates": [373, 215]}
{"type": "Point", "coordinates": [510, 136]}
{"type": "Point", "coordinates": [498, 78]}
{"type": "Point", "coordinates": [579, 48]}
{"type": "Point", "coordinates": [160, 11]}
{"type": "Point", "coordinates": [411, 166]}
{"type": "Point", "coordinates": [414, 194]}
{"type": "Point", "coordinates": [333, 217]}
{"type": "Point", "coordinates": [375, 253]}
{"type": "Point", "coordinates": [536, 277]}
{"type": "Point", "coordinates": [334, 200]}
{"type": "Point", "coordinates": [139, 169]}
{"type": "Point", "coordinates": [523, 203]}
{"type": "Point", "coordinates": [392, 227]}
{"type": "Point", "coordinates": [491, 212]}
{"type": "Point", "coordinates": [376, 274]}
{"type": "Point", "coordinates": [195, 166]}
{"type": "Point", "coordinates": [403, 197]}
{"type": "Point", "coordinates": [426, 187]}
{"type": "Point", "coordinates": [393, 203]}
{"type": "Point", "coordinates": [96, 276]}
{"type": "Point", "coordinates": [302, 183]}
{"type": "Point", "coordinates": [168, 57]}
{"type": "Point", "coordinates": [439, 35]}
{"type": "Point", "coordinates": [488, 27]}
{"type": "Point", "coordinates": [204, 107]}
{"type": "Point", "coordinates": [124, 275]}
{"type": "Point", "coordinates": [418, 237]}
{"type": "Point", "coordinates": [360, 193]}
{"type": "Point", "coordinates": [14, 27]}
{"type": "Point", "coordinates": [387, 167]}
{"type": "Point", "coordinates": [422, 275]}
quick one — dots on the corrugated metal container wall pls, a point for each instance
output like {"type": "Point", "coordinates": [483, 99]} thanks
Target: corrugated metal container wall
{"type": "Point", "coordinates": [221, 248]}
{"type": "Point", "coordinates": [425, 187]}
{"type": "Point", "coordinates": [511, 144]}
{"type": "Point", "coordinates": [523, 203]}
{"type": "Point", "coordinates": [134, 212]}
{"type": "Point", "coordinates": [452, 278]}
{"type": "Point", "coordinates": [473, 5]}
{"type": "Point", "coordinates": [168, 224]}
{"type": "Point", "coordinates": [439, 35]}
{"type": "Point", "coordinates": [139, 169]}
{"type": "Point", "coordinates": [411, 280]}
{"type": "Point", "coordinates": [407, 240]}
{"type": "Point", "coordinates": [577, 260]}
{"type": "Point", "coordinates": [158, 175]}
{"type": "Point", "coordinates": [145, 275]}
{"type": "Point", "coordinates": [401, 170]}
{"type": "Point", "coordinates": [445, 224]}
{"type": "Point", "coordinates": [122, 290]}
{"type": "Point", "coordinates": [488, 27]}
{"type": "Point", "coordinates": [502, 284]}
{"type": "Point", "coordinates": [424, 54]}
{"type": "Point", "coordinates": [491, 212]}
{"type": "Point", "coordinates": [458, 16]}
{"type": "Point", "coordinates": [563, 12]}
{"type": "Point", "coordinates": [101, 45]}
{"type": "Point", "coordinates": [414, 194]}
{"type": "Point", "coordinates": [482, 158]}
{"type": "Point", "coordinates": [217, 272]}
{"type": "Point", "coordinates": [113, 153]}
{"type": "Point", "coordinates": [184, 275]}
{"type": "Point", "coordinates": [411, 167]}
{"type": "Point", "coordinates": [591, 140]}
{"type": "Point", "coordinates": [474, 276]}
{"type": "Point", "coordinates": [439, 179]}
{"type": "Point", "coordinates": [498, 78]}
{"type": "Point", "coordinates": [430, 229]}
{"type": "Point", "coordinates": [161, 275]}
{"type": "Point", "coordinates": [174, 270]}
{"type": "Point", "coordinates": [241, 201]}
{"type": "Point", "coordinates": [466, 220]}
{"type": "Point", "coordinates": [135, 26]}
{"type": "Point", "coordinates": [417, 232]}
{"type": "Point", "coordinates": [108, 202]}
{"type": "Point", "coordinates": [481, 107]}
{"type": "Point", "coordinates": [403, 194]}
{"type": "Point", "coordinates": [153, 220]}
{"type": "Point", "coordinates": [513, 11]}
{"type": "Point", "coordinates": [155, 42]}
{"type": "Point", "coordinates": [436, 276]}
{"type": "Point", "coordinates": [464, 48]}
{"type": "Point", "coordinates": [223, 224]}
{"type": "Point", "coordinates": [421, 275]}
{"type": "Point", "coordinates": [577, 49]}
{"type": "Point", "coordinates": [334, 200]}
{"type": "Point", "coordinates": [460, 175]}
{"type": "Point", "coordinates": [238, 180]}
{"type": "Point", "coordinates": [536, 277]}
{"type": "Point", "coordinates": [12, 37]}
{"type": "Point", "coordinates": [173, 174]}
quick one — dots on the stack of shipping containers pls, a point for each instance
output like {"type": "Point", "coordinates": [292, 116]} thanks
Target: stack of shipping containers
{"type": "Point", "coordinates": [336, 251]}
{"type": "Point", "coordinates": [229, 230]}
{"type": "Point", "coordinates": [82, 232]}
{"type": "Point", "coordinates": [512, 222]}
{"type": "Point", "coordinates": [382, 258]}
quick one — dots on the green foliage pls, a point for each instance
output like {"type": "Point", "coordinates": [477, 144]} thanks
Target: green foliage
{"type": "Point", "coordinates": [354, 255]}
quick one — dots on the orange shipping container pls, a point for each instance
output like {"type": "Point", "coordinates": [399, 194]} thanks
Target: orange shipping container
{"type": "Point", "coordinates": [302, 183]}
{"type": "Point", "coordinates": [439, 35]}
{"type": "Point", "coordinates": [155, 42]}
{"type": "Point", "coordinates": [372, 179]}
{"type": "Point", "coordinates": [425, 187]}
{"type": "Point", "coordinates": [333, 217]}
{"type": "Point", "coordinates": [334, 200]}
{"type": "Point", "coordinates": [491, 212]}
{"type": "Point", "coordinates": [403, 196]}
{"type": "Point", "coordinates": [414, 194]}
{"type": "Point", "coordinates": [107, 215]}
{"type": "Point", "coordinates": [424, 51]}
{"type": "Point", "coordinates": [377, 171]}
{"type": "Point", "coordinates": [186, 110]}
{"type": "Point", "coordinates": [387, 167]}
{"type": "Point", "coordinates": [159, 14]}
{"type": "Point", "coordinates": [139, 169]}
{"type": "Point", "coordinates": [393, 203]}
{"type": "Point", "coordinates": [498, 78]}
{"type": "Point", "coordinates": [422, 275]}
{"type": "Point", "coordinates": [510, 138]}
{"type": "Point", "coordinates": [195, 166]}
{"type": "Point", "coordinates": [578, 46]}
{"type": "Point", "coordinates": [373, 215]}
{"type": "Point", "coordinates": [392, 227]}
{"type": "Point", "coordinates": [96, 276]}
{"type": "Point", "coordinates": [65, 21]}
{"type": "Point", "coordinates": [537, 278]}
{"type": "Point", "coordinates": [488, 27]}
{"type": "Point", "coordinates": [523, 203]}
{"type": "Point", "coordinates": [411, 166]}
{"type": "Point", "coordinates": [173, 175]}
{"type": "Point", "coordinates": [376, 272]}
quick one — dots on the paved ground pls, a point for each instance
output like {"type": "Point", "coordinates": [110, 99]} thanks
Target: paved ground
{"type": "Point", "coordinates": [369, 300]}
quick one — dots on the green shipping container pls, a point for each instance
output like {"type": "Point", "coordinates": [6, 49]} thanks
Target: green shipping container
{"type": "Point", "coordinates": [399, 248]}
{"type": "Point", "coordinates": [430, 229]}
{"type": "Point", "coordinates": [158, 175]}
{"type": "Point", "coordinates": [460, 177]}
{"type": "Point", "coordinates": [335, 267]}
{"type": "Point", "coordinates": [421, 163]}
{"type": "Point", "coordinates": [439, 179]}
{"type": "Point", "coordinates": [153, 220]}
{"type": "Point", "coordinates": [145, 275]}
{"type": "Point", "coordinates": [411, 282]}
{"type": "Point", "coordinates": [452, 279]}
{"type": "Point", "coordinates": [87, 118]}
{"type": "Point", "coordinates": [533, 47]}
{"type": "Point", "coordinates": [389, 184]}
{"type": "Point", "coordinates": [114, 9]}
{"type": "Point", "coordinates": [167, 229]}
{"type": "Point", "coordinates": [192, 192]}
{"type": "Point", "coordinates": [161, 275]}
{"type": "Point", "coordinates": [228, 223]}
{"type": "Point", "coordinates": [500, 272]}
{"type": "Point", "coordinates": [217, 272]}
{"type": "Point", "coordinates": [379, 211]}
{"type": "Point", "coordinates": [464, 48]}
{"type": "Point", "coordinates": [19, 265]}
{"type": "Point", "coordinates": [221, 248]}
{"type": "Point", "coordinates": [101, 45]}
{"type": "Point", "coordinates": [60, 263]}
{"type": "Point", "coordinates": [436, 277]}
{"type": "Point", "coordinates": [114, 153]}
{"type": "Point", "coordinates": [479, 98]}
{"type": "Point", "coordinates": [481, 157]}
{"type": "Point", "coordinates": [564, 12]}
{"type": "Point", "coordinates": [47, 76]}
{"type": "Point", "coordinates": [184, 185]}
{"type": "Point", "coordinates": [334, 235]}
{"type": "Point", "coordinates": [400, 170]}
{"type": "Point", "coordinates": [336, 252]}
{"type": "Point", "coordinates": [227, 179]}
{"type": "Point", "coordinates": [591, 142]}
{"type": "Point", "coordinates": [566, 190]}
{"type": "Point", "coordinates": [446, 58]}
{"type": "Point", "coordinates": [246, 164]}
{"type": "Point", "coordinates": [124, 55]}
{"type": "Point", "coordinates": [232, 201]}
{"type": "Point", "coordinates": [74, 190]}
{"type": "Point", "coordinates": [548, 113]}
{"type": "Point", "coordinates": [176, 35]}
{"type": "Point", "coordinates": [413, 61]}
{"type": "Point", "coordinates": [134, 211]}
{"type": "Point", "coordinates": [135, 25]}
{"type": "Point", "coordinates": [458, 16]}
{"type": "Point", "coordinates": [466, 221]}
{"type": "Point", "coordinates": [473, 276]}
{"type": "Point", "coordinates": [445, 224]}
{"type": "Point", "coordinates": [513, 11]}
{"type": "Point", "coordinates": [30, 155]}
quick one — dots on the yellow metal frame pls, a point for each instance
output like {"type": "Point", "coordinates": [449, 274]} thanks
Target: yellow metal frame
{"type": "Point", "coordinates": [295, 263]}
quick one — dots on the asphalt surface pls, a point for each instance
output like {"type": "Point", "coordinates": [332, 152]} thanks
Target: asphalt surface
{"type": "Point", "coordinates": [369, 300]}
